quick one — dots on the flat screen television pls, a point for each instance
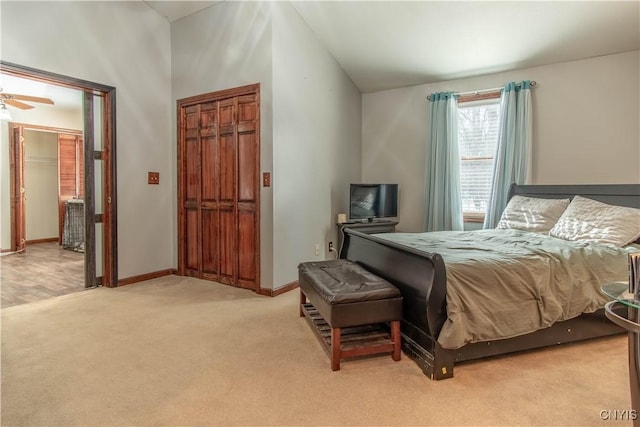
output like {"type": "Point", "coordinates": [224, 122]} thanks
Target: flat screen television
{"type": "Point", "coordinates": [371, 201]}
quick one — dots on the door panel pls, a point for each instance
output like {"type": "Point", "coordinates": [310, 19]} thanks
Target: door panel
{"type": "Point", "coordinates": [19, 240]}
{"type": "Point", "coordinates": [248, 184]}
{"type": "Point", "coordinates": [226, 167]}
{"type": "Point", "coordinates": [226, 113]}
{"type": "Point", "coordinates": [192, 240]}
{"type": "Point", "coordinates": [68, 165]}
{"type": "Point", "coordinates": [98, 170]}
{"type": "Point", "coordinates": [98, 210]}
{"type": "Point", "coordinates": [247, 111]}
{"type": "Point", "coordinates": [192, 169]}
{"type": "Point", "coordinates": [99, 236]}
{"type": "Point", "coordinates": [190, 147]}
{"type": "Point", "coordinates": [247, 248]}
{"type": "Point", "coordinates": [210, 239]}
{"type": "Point", "coordinates": [247, 172]}
{"type": "Point", "coordinates": [227, 246]}
{"type": "Point", "coordinates": [209, 180]}
{"type": "Point", "coordinates": [80, 156]}
{"type": "Point", "coordinates": [208, 150]}
{"type": "Point", "coordinates": [99, 180]}
{"type": "Point", "coordinates": [208, 114]}
{"type": "Point", "coordinates": [192, 154]}
{"type": "Point", "coordinates": [70, 174]}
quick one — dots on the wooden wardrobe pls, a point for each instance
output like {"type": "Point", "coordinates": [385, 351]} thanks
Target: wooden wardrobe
{"type": "Point", "coordinates": [219, 186]}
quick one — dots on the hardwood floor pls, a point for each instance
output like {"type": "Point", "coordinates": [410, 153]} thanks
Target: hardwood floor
{"type": "Point", "coordinates": [44, 271]}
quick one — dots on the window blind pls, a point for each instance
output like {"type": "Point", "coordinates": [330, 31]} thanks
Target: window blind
{"type": "Point", "coordinates": [477, 139]}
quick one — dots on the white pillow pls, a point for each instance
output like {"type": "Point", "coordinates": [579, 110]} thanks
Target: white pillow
{"type": "Point", "coordinates": [532, 214]}
{"type": "Point", "coordinates": [593, 221]}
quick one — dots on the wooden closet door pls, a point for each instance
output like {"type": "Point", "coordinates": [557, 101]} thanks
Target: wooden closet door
{"type": "Point", "coordinates": [190, 180]}
{"type": "Point", "coordinates": [209, 216]}
{"type": "Point", "coordinates": [226, 177]}
{"type": "Point", "coordinates": [219, 188]}
{"type": "Point", "coordinates": [247, 191]}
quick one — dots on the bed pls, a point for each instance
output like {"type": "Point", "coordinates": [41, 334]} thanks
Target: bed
{"type": "Point", "coordinates": [431, 286]}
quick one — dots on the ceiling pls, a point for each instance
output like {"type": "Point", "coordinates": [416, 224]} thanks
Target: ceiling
{"type": "Point", "coordinates": [389, 44]}
{"type": "Point", "coordinates": [174, 10]}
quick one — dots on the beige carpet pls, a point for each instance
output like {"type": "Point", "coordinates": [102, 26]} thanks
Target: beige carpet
{"type": "Point", "coordinates": [179, 351]}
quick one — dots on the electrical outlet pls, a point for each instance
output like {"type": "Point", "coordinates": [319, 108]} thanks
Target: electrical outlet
{"type": "Point", "coordinates": [154, 178]}
{"type": "Point", "coordinates": [331, 247]}
{"type": "Point", "coordinates": [317, 249]}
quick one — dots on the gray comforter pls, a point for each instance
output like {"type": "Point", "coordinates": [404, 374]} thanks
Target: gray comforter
{"type": "Point", "coordinates": [504, 283]}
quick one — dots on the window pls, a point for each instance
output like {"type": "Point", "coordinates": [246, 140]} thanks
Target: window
{"type": "Point", "coordinates": [477, 140]}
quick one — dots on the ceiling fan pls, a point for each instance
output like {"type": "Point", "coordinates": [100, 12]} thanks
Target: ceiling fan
{"type": "Point", "coordinates": [15, 100]}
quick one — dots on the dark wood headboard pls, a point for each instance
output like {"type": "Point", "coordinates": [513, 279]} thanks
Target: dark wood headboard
{"type": "Point", "coordinates": [614, 194]}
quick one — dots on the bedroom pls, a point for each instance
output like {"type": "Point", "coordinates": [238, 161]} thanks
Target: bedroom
{"type": "Point", "coordinates": [162, 70]}
{"type": "Point", "coordinates": [312, 115]}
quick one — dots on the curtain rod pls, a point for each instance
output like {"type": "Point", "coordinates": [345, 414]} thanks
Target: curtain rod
{"type": "Point", "coordinates": [477, 92]}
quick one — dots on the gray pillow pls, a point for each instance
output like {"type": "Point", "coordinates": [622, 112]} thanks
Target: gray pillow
{"type": "Point", "coordinates": [532, 214]}
{"type": "Point", "coordinates": [593, 221]}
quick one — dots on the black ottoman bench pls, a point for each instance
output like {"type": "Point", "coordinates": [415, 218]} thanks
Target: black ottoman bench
{"type": "Point", "coordinates": [349, 308]}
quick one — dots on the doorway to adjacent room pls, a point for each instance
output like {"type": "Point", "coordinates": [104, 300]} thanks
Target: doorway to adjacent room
{"type": "Point", "coordinates": [74, 246]}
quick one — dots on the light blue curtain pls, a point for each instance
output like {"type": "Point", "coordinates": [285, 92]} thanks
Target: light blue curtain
{"type": "Point", "coordinates": [443, 201]}
{"type": "Point", "coordinates": [513, 155]}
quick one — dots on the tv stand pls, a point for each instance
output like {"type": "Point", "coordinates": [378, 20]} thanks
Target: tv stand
{"type": "Point", "coordinates": [367, 227]}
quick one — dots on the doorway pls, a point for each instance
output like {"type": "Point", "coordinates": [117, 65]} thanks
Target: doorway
{"type": "Point", "coordinates": [92, 181]}
{"type": "Point", "coordinates": [46, 165]}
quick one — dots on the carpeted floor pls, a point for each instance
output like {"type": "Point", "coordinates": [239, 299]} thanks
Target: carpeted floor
{"type": "Point", "coordinates": [178, 351]}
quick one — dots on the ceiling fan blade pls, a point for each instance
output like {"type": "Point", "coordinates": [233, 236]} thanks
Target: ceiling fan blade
{"type": "Point", "coordinates": [28, 98]}
{"type": "Point", "coordinates": [17, 104]}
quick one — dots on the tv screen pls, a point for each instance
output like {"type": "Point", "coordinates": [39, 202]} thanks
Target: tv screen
{"type": "Point", "coordinates": [369, 201]}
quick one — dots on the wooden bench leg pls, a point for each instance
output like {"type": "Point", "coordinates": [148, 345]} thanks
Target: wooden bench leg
{"type": "Point", "coordinates": [335, 349]}
{"type": "Point", "coordinates": [303, 300]}
{"type": "Point", "coordinates": [396, 338]}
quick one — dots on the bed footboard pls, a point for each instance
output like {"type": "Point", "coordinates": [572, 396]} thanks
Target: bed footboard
{"type": "Point", "coordinates": [421, 278]}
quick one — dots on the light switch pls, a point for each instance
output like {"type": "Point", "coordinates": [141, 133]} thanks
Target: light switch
{"type": "Point", "coordinates": [266, 179]}
{"type": "Point", "coordinates": [154, 177]}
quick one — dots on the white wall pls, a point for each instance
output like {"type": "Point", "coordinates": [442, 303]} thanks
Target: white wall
{"type": "Point", "coordinates": [585, 127]}
{"type": "Point", "coordinates": [316, 150]}
{"type": "Point", "coordinates": [125, 45]}
{"type": "Point", "coordinates": [41, 184]}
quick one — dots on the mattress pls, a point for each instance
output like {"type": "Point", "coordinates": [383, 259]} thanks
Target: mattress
{"type": "Point", "coordinates": [505, 283]}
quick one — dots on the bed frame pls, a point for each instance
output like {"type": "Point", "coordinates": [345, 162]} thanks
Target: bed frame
{"type": "Point", "coordinates": [421, 278]}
